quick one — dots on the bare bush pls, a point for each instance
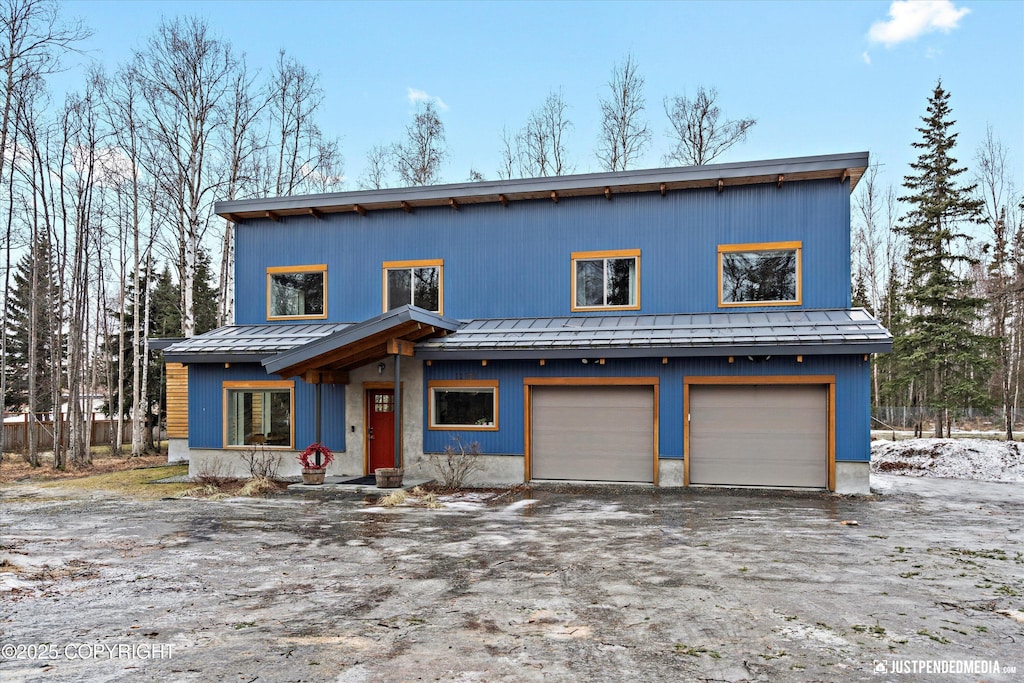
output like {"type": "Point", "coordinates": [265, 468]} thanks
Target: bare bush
{"type": "Point", "coordinates": [263, 464]}
{"type": "Point", "coordinates": [213, 472]}
{"type": "Point", "coordinates": [457, 463]}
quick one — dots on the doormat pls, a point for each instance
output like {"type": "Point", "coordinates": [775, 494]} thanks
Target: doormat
{"type": "Point", "coordinates": [370, 480]}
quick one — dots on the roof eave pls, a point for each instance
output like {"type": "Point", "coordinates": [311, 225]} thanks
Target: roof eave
{"type": "Point", "coordinates": [849, 166]}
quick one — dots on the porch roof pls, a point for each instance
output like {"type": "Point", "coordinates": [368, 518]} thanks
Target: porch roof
{"type": "Point", "coordinates": [793, 332]}
{"type": "Point", "coordinates": [395, 331]}
{"type": "Point", "coordinates": [247, 343]}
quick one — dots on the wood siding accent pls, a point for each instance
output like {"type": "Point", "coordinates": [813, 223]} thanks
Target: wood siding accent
{"type": "Point", "coordinates": [177, 400]}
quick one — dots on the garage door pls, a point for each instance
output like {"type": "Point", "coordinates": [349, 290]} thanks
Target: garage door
{"type": "Point", "coordinates": [759, 435]}
{"type": "Point", "coordinates": [597, 433]}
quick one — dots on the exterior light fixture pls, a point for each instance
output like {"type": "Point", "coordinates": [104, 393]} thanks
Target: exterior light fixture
{"type": "Point", "coordinates": [380, 368]}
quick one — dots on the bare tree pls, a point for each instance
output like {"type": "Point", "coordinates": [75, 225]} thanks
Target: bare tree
{"type": "Point", "coordinates": [34, 35]}
{"type": "Point", "coordinates": [994, 185]}
{"type": "Point", "coordinates": [305, 159]}
{"type": "Point", "coordinates": [418, 158]}
{"type": "Point", "coordinates": [186, 77]}
{"type": "Point", "coordinates": [624, 131]}
{"type": "Point", "coordinates": [698, 131]}
{"type": "Point", "coordinates": [375, 176]}
{"type": "Point", "coordinates": [540, 148]}
{"type": "Point", "coordinates": [509, 155]}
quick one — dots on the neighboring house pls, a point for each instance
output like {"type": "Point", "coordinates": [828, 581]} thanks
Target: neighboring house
{"type": "Point", "coordinates": [676, 326]}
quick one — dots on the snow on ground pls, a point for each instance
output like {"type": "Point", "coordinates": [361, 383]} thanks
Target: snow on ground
{"type": "Point", "coordinates": [982, 459]}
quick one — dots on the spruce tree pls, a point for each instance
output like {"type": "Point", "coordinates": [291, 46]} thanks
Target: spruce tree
{"type": "Point", "coordinates": [941, 350]}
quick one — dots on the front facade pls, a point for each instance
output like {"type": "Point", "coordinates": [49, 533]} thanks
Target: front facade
{"type": "Point", "coordinates": [686, 326]}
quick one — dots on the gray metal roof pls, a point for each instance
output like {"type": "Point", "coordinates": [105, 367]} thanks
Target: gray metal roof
{"type": "Point", "coordinates": [693, 334]}
{"type": "Point", "coordinates": [247, 343]}
{"type": "Point", "coordinates": [840, 166]}
{"type": "Point", "coordinates": [425, 320]}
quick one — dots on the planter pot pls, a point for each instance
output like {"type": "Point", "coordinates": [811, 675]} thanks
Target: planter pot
{"type": "Point", "coordinates": [313, 476]}
{"type": "Point", "coordinates": [389, 477]}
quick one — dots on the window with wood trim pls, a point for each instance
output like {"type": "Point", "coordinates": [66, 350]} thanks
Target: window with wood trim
{"type": "Point", "coordinates": [415, 283]}
{"type": "Point", "coordinates": [259, 414]}
{"type": "Point", "coordinates": [464, 404]}
{"type": "Point", "coordinates": [297, 292]}
{"type": "Point", "coordinates": [606, 280]}
{"type": "Point", "coordinates": [762, 274]}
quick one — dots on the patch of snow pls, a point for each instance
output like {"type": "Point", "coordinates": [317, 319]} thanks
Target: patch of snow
{"type": "Point", "coordinates": [520, 504]}
{"type": "Point", "coordinates": [980, 459]}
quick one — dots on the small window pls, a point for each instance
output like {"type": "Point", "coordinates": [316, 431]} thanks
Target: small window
{"type": "Point", "coordinates": [464, 404]}
{"type": "Point", "coordinates": [259, 414]}
{"type": "Point", "coordinates": [416, 283]}
{"type": "Point", "coordinates": [296, 292]}
{"type": "Point", "coordinates": [759, 274]}
{"type": "Point", "coordinates": [606, 280]}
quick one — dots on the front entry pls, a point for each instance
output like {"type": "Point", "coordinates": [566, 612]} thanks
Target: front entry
{"type": "Point", "coordinates": [380, 428]}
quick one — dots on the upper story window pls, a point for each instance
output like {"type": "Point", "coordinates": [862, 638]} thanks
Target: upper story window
{"type": "Point", "coordinates": [416, 283]}
{"type": "Point", "coordinates": [606, 280]}
{"type": "Point", "coordinates": [764, 274]}
{"type": "Point", "coordinates": [259, 414]}
{"type": "Point", "coordinates": [297, 292]}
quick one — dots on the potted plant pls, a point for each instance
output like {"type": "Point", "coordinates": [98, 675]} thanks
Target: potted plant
{"type": "Point", "coordinates": [315, 460]}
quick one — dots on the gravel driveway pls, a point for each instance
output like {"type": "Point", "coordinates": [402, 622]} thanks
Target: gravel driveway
{"type": "Point", "coordinates": [605, 584]}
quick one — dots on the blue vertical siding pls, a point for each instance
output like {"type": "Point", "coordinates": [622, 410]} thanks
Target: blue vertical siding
{"type": "Point", "coordinates": [853, 415]}
{"type": "Point", "coordinates": [515, 261]}
{"type": "Point", "coordinates": [205, 406]}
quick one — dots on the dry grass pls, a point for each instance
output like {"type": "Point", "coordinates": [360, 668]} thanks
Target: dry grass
{"type": "Point", "coordinates": [417, 497]}
{"type": "Point", "coordinates": [393, 499]}
{"type": "Point", "coordinates": [15, 467]}
{"type": "Point", "coordinates": [258, 486]}
{"type": "Point", "coordinates": [124, 483]}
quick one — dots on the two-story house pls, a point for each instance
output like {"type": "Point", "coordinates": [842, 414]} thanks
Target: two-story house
{"type": "Point", "coordinates": [678, 326]}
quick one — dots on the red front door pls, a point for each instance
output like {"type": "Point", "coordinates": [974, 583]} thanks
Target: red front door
{"type": "Point", "coordinates": [380, 428]}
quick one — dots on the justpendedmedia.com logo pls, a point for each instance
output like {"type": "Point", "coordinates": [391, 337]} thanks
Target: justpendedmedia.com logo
{"type": "Point", "coordinates": [941, 666]}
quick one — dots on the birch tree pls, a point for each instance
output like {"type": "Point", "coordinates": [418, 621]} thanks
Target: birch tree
{"type": "Point", "coordinates": [698, 132]}
{"type": "Point", "coordinates": [624, 130]}
{"type": "Point", "coordinates": [419, 156]}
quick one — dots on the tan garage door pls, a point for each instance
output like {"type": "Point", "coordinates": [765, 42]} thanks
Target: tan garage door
{"type": "Point", "coordinates": [760, 435]}
{"type": "Point", "coordinates": [593, 433]}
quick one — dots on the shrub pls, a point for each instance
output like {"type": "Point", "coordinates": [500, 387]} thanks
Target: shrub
{"type": "Point", "coordinates": [457, 463]}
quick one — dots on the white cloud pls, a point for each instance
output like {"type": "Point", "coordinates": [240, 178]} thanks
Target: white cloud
{"type": "Point", "coordinates": [909, 19]}
{"type": "Point", "coordinates": [416, 95]}
{"type": "Point", "coordinates": [866, 57]}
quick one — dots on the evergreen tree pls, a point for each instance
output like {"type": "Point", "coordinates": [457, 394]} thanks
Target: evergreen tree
{"type": "Point", "coordinates": [24, 304]}
{"type": "Point", "coordinates": [941, 350]}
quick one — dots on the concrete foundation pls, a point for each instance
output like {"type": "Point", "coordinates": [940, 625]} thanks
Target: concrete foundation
{"type": "Point", "coordinates": [853, 478]}
{"type": "Point", "coordinates": [670, 472]}
{"type": "Point", "coordinates": [177, 450]}
{"type": "Point", "coordinates": [496, 470]}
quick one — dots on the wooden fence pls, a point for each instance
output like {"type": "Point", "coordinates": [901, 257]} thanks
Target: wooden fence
{"type": "Point", "coordinates": [16, 434]}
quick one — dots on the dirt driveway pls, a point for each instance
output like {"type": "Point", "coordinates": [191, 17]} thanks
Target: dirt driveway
{"type": "Point", "coordinates": [616, 584]}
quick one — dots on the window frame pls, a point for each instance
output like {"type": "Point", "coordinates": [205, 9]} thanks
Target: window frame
{"type": "Point", "coordinates": [607, 254]}
{"type": "Point", "coordinates": [267, 385]}
{"type": "Point", "coordinates": [756, 247]}
{"type": "Point", "coordinates": [483, 384]}
{"type": "Point", "coordinates": [281, 270]}
{"type": "Point", "coordinates": [409, 265]}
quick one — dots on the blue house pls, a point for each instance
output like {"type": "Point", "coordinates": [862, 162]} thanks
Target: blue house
{"type": "Point", "coordinates": [676, 327]}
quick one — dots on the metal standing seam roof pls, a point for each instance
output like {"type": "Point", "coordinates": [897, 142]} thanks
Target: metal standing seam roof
{"type": "Point", "coordinates": [821, 331]}
{"type": "Point", "coordinates": [248, 343]}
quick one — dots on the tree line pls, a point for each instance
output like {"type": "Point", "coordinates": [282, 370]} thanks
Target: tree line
{"type": "Point", "coordinates": [941, 263]}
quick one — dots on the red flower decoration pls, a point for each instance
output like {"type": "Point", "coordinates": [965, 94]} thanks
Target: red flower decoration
{"type": "Point", "coordinates": [316, 457]}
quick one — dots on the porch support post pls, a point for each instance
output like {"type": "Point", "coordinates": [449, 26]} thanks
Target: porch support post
{"type": "Point", "coordinates": [316, 411]}
{"type": "Point", "coordinates": [398, 410]}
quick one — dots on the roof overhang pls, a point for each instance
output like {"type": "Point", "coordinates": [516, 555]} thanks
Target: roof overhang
{"type": "Point", "coordinates": [393, 332]}
{"type": "Point", "coordinates": [838, 167]}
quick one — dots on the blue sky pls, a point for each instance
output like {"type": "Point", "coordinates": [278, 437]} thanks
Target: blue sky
{"type": "Point", "coordinates": [817, 76]}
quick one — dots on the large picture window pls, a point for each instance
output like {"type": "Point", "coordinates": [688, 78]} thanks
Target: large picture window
{"type": "Point", "coordinates": [603, 280]}
{"type": "Point", "coordinates": [259, 414]}
{"type": "Point", "coordinates": [297, 292]}
{"type": "Point", "coordinates": [416, 283]}
{"type": "Point", "coordinates": [759, 274]}
{"type": "Point", "coordinates": [464, 404]}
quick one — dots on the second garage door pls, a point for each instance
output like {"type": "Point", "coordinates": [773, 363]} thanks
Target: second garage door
{"type": "Point", "coordinates": [761, 435]}
{"type": "Point", "coordinates": [592, 433]}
